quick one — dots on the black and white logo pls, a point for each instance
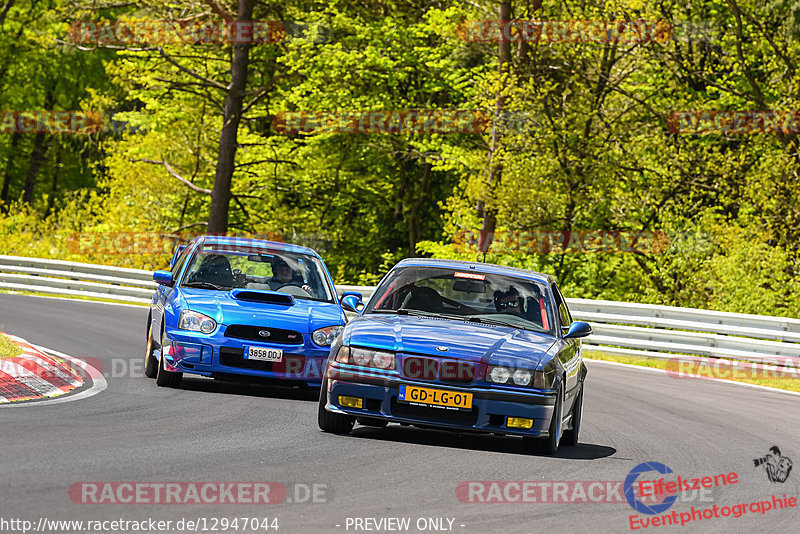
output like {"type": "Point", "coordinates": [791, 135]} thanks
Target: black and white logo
{"type": "Point", "coordinates": [777, 467]}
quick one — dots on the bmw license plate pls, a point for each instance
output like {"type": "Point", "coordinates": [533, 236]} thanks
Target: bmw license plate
{"type": "Point", "coordinates": [264, 355]}
{"type": "Point", "coordinates": [438, 398]}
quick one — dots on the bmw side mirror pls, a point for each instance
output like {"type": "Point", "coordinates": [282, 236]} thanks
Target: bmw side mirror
{"type": "Point", "coordinates": [163, 278]}
{"type": "Point", "coordinates": [350, 301]}
{"type": "Point", "coordinates": [578, 329]}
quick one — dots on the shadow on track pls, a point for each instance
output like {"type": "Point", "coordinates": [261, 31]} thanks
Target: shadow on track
{"type": "Point", "coordinates": [269, 390]}
{"type": "Point", "coordinates": [476, 442]}
{"type": "Point", "coordinates": [394, 432]}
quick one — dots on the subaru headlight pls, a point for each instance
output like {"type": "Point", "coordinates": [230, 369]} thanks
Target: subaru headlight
{"type": "Point", "coordinates": [196, 322]}
{"type": "Point", "coordinates": [325, 336]}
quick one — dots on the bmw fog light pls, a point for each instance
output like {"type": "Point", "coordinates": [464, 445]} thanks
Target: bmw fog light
{"type": "Point", "coordinates": [351, 402]}
{"type": "Point", "coordinates": [519, 422]}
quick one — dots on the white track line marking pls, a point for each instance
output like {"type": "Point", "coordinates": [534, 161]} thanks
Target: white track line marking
{"type": "Point", "coordinates": [99, 383]}
{"type": "Point", "coordinates": [723, 380]}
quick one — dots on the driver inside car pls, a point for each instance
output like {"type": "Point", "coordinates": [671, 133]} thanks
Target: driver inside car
{"type": "Point", "coordinates": [284, 275]}
{"type": "Point", "coordinates": [509, 301]}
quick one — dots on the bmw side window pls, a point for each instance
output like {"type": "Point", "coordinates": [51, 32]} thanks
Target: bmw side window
{"type": "Point", "coordinates": [563, 311]}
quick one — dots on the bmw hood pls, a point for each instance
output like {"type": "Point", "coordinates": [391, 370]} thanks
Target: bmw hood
{"type": "Point", "coordinates": [303, 315]}
{"type": "Point", "coordinates": [455, 339]}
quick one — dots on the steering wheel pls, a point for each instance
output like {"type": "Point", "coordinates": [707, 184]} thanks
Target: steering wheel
{"type": "Point", "coordinates": [293, 290]}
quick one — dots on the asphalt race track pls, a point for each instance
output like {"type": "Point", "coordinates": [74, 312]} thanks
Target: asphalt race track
{"type": "Point", "coordinates": [209, 431]}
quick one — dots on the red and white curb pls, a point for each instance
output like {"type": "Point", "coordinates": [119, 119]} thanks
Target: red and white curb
{"type": "Point", "coordinates": [34, 375]}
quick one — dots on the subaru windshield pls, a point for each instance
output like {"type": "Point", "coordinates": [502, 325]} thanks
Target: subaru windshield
{"type": "Point", "coordinates": [223, 267]}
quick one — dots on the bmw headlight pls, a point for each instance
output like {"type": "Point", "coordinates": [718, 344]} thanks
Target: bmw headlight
{"type": "Point", "coordinates": [522, 377]}
{"type": "Point", "coordinates": [510, 375]}
{"type": "Point", "coordinates": [196, 322]}
{"type": "Point", "coordinates": [365, 357]}
{"type": "Point", "coordinates": [325, 336]}
{"type": "Point", "coordinates": [383, 360]}
{"type": "Point", "coordinates": [499, 375]}
{"type": "Point", "coordinates": [361, 356]}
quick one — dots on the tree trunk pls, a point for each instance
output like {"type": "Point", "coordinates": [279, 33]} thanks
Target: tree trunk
{"type": "Point", "coordinates": [231, 116]}
{"type": "Point", "coordinates": [54, 189]}
{"type": "Point", "coordinates": [489, 214]}
{"type": "Point", "coordinates": [12, 149]}
{"type": "Point", "coordinates": [40, 146]}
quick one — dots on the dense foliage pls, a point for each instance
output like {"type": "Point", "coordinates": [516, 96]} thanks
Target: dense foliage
{"type": "Point", "coordinates": [580, 140]}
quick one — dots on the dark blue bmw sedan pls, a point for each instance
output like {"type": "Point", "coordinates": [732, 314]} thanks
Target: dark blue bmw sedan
{"type": "Point", "coordinates": [460, 346]}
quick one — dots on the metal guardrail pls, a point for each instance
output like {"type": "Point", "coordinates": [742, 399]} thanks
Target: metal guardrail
{"type": "Point", "coordinates": [629, 329]}
{"type": "Point", "coordinates": [66, 278]}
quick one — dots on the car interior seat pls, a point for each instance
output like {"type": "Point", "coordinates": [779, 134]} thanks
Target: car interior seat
{"type": "Point", "coordinates": [215, 269]}
{"type": "Point", "coordinates": [533, 312]}
{"type": "Point", "coordinates": [423, 299]}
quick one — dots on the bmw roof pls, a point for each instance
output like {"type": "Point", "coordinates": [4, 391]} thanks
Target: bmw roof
{"type": "Point", "coordinates": [490, 268]}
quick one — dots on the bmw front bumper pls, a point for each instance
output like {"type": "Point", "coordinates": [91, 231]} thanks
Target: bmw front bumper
{"type": "Point", "coordinates": [490, 410]}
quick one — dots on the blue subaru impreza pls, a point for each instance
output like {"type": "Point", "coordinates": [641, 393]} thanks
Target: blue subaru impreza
{"type": "Point", "coordinates": [242, 308]}
{"type": "Point", "coordinates": [460, 346]}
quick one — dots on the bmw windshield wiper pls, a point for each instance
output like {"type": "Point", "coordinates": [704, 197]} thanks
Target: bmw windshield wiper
{"type": "Point", "coordinates": [205, 285]}
{"type": "Point", "coordinates": [500, 322]}
{"type": "Point", "coordinates": [423, 313]}
{"type": "Point", "coordinates": [404, 311]}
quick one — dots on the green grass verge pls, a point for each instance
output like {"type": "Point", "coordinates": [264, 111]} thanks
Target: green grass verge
{"type": "Point", "coordinates": [8, 348]}
{"type": "Point", "coordinates": [787, 383]}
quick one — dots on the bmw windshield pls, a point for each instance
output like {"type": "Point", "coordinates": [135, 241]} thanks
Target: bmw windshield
{"type": "Point", "coordinates": [465, 295]}
{"type": "Point", "coordinates": [224, 267]}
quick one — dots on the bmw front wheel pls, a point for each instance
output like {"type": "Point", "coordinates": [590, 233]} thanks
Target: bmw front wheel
{"type": "Point", "coordinates": [334, 423]}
